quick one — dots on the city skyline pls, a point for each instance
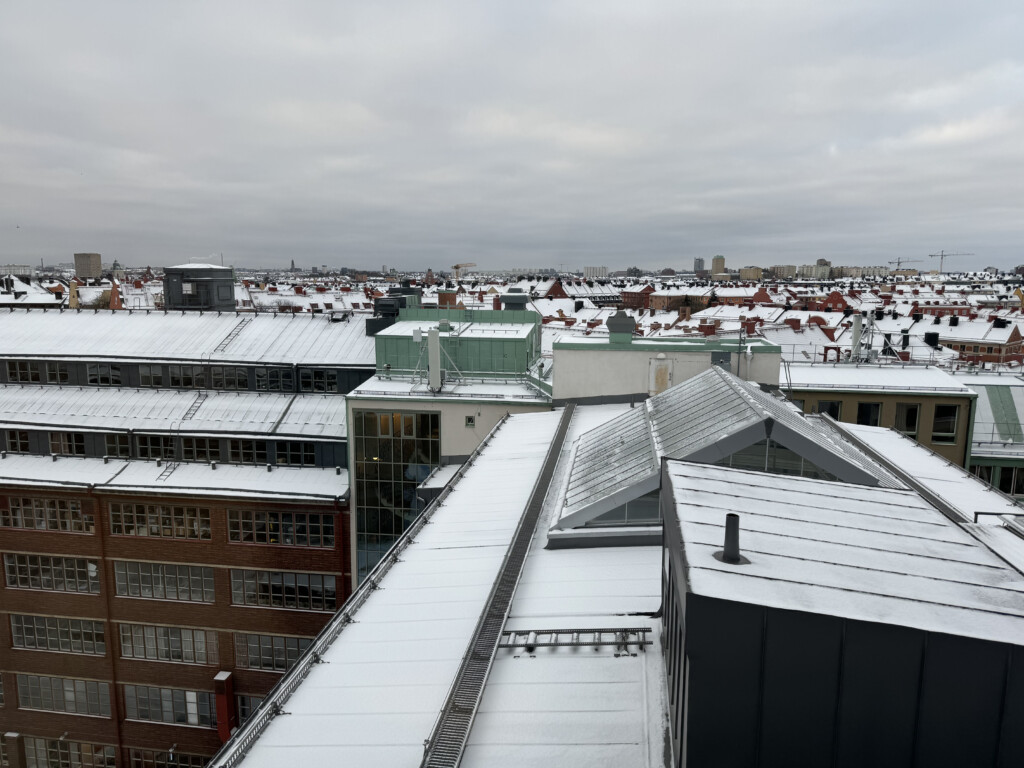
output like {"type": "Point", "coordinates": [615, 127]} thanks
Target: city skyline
{"type": "Point", "coordinates": [566, 133]}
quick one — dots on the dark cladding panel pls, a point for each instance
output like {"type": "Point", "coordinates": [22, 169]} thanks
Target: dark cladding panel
{"type": "Point", "coordinates": [961, 702]}
{"type": "Point", "coordinates": [723, 644]}
{"type": "Point", "coordinates": [878, 701]}
{"type": "Point", "coordinates": [1011, 747]}
{"type": "Point", "coordinates": [801, 686]}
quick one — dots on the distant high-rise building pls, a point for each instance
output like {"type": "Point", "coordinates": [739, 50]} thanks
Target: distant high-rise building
{"type": "Point", "coordinates": [595, 273]}
{"type": "Point", "coordinates": [718, 265]}
{"type": "Point", "coordinates": [750, 273]}
{"type": "Point", "coordinates": [698, 264]}
{"type": "Point", "coordinates": [784, 271]}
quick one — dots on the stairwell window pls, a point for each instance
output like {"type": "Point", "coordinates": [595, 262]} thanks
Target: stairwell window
{"type": "Point", "coordinates": [200, 448]}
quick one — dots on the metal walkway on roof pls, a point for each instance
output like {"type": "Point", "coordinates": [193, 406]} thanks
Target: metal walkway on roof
{"type": "Point", "coordinates": [445, 746]}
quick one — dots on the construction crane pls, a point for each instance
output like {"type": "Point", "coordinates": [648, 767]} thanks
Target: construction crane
{"type": "Point", "coordinates": [460, 267]}
{"type": "Point", "coordinates": [901, 260]}
{"type": "Point", "coordinates": [942, 256]}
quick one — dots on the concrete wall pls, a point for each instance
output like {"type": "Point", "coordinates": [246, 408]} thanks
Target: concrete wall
{"type": "Point", "coordinates": [615, 373]}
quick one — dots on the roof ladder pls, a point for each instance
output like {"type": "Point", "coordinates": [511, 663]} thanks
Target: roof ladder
{"type": "Point", "coordinates": [445, 746]}
{"type": "Point", "coordinates": [169, 467]}
{"type": "Point", "coordinates": [200, 398]}
{"type": "Point", "coordinates": [232, 335]}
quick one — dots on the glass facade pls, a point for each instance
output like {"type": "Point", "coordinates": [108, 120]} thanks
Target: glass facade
{"type": "Point", "coordinates": [394, 453]}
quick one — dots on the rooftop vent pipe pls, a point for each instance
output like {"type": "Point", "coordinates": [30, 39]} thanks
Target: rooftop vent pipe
{"type": "Point", "coordinates": [731, 552]}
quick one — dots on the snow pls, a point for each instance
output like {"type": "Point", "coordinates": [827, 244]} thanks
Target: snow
{"type": "Point", "coordinates": [519, 392]}
{"type": "Point", "coordinates": [188, 337]}
{"type": "Point", "coordinates": [184, 479]}
{"type": "Point", "coordinates": [879, 555]}
{"type": "Point", "coordinates": [874, 378]}
{"type": "Point", "coordinates": [263, 415]}
{"type": "Point", "coordinates": [377, 696]}
{"type": "Point", "coordinates": [953, 484]}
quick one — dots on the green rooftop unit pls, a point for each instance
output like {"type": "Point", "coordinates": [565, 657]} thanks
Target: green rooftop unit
{"type": "Point", "coordinates": [474, 344]}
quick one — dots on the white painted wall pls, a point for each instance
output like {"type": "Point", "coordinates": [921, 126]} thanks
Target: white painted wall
{"type": "Point", "coordinates": [603, 372]}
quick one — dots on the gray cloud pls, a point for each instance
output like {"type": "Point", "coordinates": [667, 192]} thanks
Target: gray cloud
{"type": "Point", "coordinates": [422, 134]}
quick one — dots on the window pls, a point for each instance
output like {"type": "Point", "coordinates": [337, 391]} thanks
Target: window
{"type": "Point", "coordinates": [17, 441]}
{"type": "Point", "coordinates": [174, 644]}
{"type": "Point", "coordinates": [276, 589]}
{"type": "Point", "coordinates": [53, 574]}
{"type": "Point", "coordinates": [170, 705]}
{"type": "Point", "coordinates": [57, 373]}
{"type": "Point", "coordinates": [23, 372]}
{"type": "Point", "coordinates": [118, 446]}
{"type": "Point", "coordinates": [471, 421]}
{"type": "Point", "coordinates": [46, 515]}
{"type": "Point", "coordinates": [906, 418]}
{"type": "Point", "coordinates": [983, 472]}
{"type": "Point", "coordinates": [273, 653]}
{"type": "Point", "coordinates": [247, 451]}
{"type": "Point", "coordinates": [275, 380]}
{"type": "Point", "coordinates": [394, 453]}
{"type": "Point", "coordinates": [869, 414]}
{"type": "Point", "coordinates": [228, 377]}
{"type": "Point", "coordinates": [151, 376]}
{"type": "Point", "coordinates": [164, 581]}
{"type": "Point", "coordinates": [55, 753]}
{"type": "Point", "coordinates": [156, 520]}
{"type": "Point", "coordinates": [295, 454]}
{"type": "Point", "coordinates": [67, 443]}
{"type": "Point", "coordinates": [155, 447]}
{"type": "Point", "coordinates": [55, 633]}
{"type": "Point", "coordinates": [187, 376]}
{"type": "Point", "coordinates": [299, 529]}
{"type": "Point", "coordinates": [62, 694]}
{"type": "Point", "coordinates": [246, 705]}
{"type": "Point", "coordinates": [944, 423]}
{"type": "Point", "coordinates": [104, 374]}
{"type": "Point", "coordinates": [318, 380]}
{"type": "Point", "coordinates": [200, 449]}
{"type": "Point", "coordinates": [147, 758]}
{"type": "Point", "coordinates": [833, 408]}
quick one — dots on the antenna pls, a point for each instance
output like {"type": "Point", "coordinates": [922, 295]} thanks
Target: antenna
{"type": "Point", "coordinates": [942, 256]}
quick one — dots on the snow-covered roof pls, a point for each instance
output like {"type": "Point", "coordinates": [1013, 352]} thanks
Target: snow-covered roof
{"type": "Point", "coordinates": [375, 699]}
{"type": "Point", "coordinates": [706, 418]}
{"type": "Point", "coordinates": [206, 337]}
{"type": "Point", "coordinates": [870, 554]}
{"type": "Point", "coordinates": [497, 390]}
{"type": "Point", "coordinates": [284, 484]}
{"type": "Point", "coordinates": [462, 330]}
{"type": "Point", "coordinates": [874, 378]}
{"type": "Point", "coordinates": [263, 414]}
{"type": "Point", "coordinates": [952, 484]}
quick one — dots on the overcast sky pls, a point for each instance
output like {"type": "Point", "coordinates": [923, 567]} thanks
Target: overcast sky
{"type": "Point", "coordinates": [550, 133]}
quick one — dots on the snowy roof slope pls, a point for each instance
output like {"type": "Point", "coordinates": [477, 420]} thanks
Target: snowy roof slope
{"type": "Point", "coordinates": [386, 675]}
{"type": "Point", "coordinates": [851, 551]}
{"type": "Point", "coordinates": [206, 337]}
{"type": "Point", "coordinates": [266, 414]}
